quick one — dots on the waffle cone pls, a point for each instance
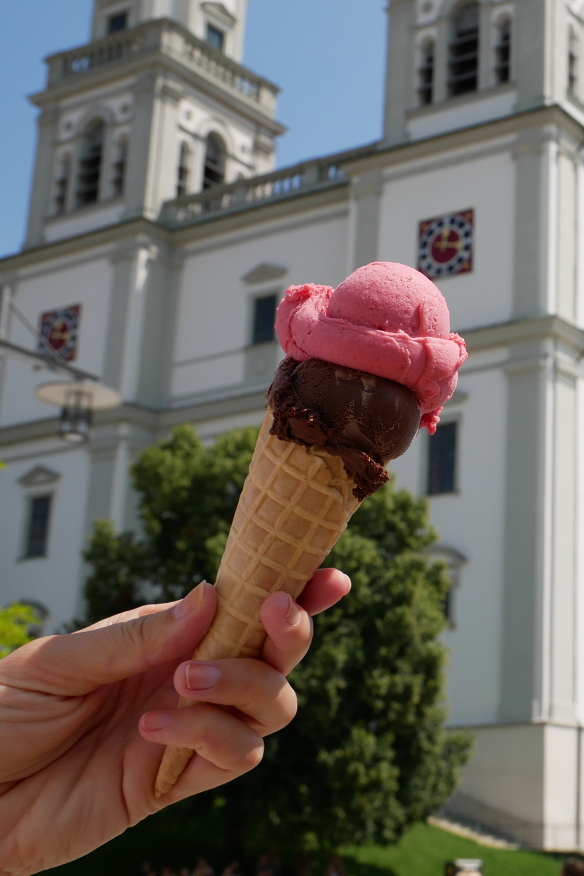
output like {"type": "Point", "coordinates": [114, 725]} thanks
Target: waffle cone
{"type": "Point", "coordinates": [295, 504]}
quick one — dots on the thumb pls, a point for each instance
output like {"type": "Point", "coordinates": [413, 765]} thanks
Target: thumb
{"type": "Point", "coordinates": [73, 665]}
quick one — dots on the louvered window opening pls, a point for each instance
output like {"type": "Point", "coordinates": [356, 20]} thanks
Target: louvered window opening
{"type": "Point", "coordinates": [573, 64]}
{"type": "Point", "coordinates": [90, 167]}
{"type": "Point", "coordinates": [503, 54]}
{"type": "Point", "coordinates": [426, 76]}
{"type": "Point", "coordinates": [63, 186]}
{"type": "Point", "coordinates": [119, 176]}
{"type": "Point", "coordinates": [464, 53]}
{"type": "Point", "coordinates": [182, 180]}
{"type": "Point", "coordinates": [214, 172]}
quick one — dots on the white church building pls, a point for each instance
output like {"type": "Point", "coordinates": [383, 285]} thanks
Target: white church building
{"type": "Point", "coordinates": [160, 239]}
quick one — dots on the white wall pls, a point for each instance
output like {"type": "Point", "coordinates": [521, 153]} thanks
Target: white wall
{"type": "Point", "coordinates": [53, 580]}
{"type": "Point", "coordinates": [423, 190]}
{"type": "Point", "coordinates": [214, 313]}
{"type": "Point", "coordinates": [85, 280]}
{"type": "Point", "coordinates": [470, 521]}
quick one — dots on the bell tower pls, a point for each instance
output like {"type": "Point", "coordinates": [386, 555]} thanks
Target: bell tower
{"type": "Point", "coordinates": [457, 62]}
{"type": "Point", "coordinates": [156, 105]}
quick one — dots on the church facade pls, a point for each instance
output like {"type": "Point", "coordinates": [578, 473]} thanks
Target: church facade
{"type": "Point", "coordinates": [161, 238]}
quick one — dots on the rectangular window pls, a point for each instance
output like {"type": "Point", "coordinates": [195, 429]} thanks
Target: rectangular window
{"type": "Point", "coordinates": [37, 532]}
{"type": "Point", "coordinates": [442, 460]}
{"type": "Point", "coordinates": [264, 314]}
{"type": "Point", "coordinates": [215, 36]}
{"type": "Point", "coordinates": [117, 22]}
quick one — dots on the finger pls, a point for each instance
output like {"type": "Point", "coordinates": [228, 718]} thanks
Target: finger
{"type": "Point", "coordinates": [325, 589]}
{"type": "Point", "coordinates": [75, 665]}
{"type": "Point", "coordinates": [256, 690]}
{"type": "Point", "coordinates": [222, 739]}
{"type": "Point", "coordinates": [289, 630]}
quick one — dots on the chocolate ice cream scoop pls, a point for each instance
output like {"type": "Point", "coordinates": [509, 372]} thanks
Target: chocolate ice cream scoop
{"type": "Point", "coordinates": [364, 419]}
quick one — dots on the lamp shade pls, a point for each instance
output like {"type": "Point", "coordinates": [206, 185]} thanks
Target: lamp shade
{"type": "Point", "coordinates": [78, 399]}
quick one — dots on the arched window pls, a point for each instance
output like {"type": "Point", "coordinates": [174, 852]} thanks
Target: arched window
{"type": "Point", "coordinates": [572, 62]}
{"type": "Point", "coordinates": [182, 177]}
{"type": "Point", "coordinates": [90, 163]}
{"type": "Point", "coordinates": [119, 168]}
{"type": "Point", "coordinates": [453, 561]}
{"type": "Point", "coordinates": [463, 69]}
{"type": "Point", "coordinates": [214, 171]}
{"type": "Point", "coordinates": [62, 188]}
{"type": "Point", "coordinates": [503, 52]}
{"type": "Point", "coordinates": [426, 74]}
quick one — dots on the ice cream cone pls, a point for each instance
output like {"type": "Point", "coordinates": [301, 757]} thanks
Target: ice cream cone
{"type": "Point", "coordinates": [295, 504]}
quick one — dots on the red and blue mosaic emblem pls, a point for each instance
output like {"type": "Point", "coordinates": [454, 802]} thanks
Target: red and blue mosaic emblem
{"type": "Point", "coordinates": [60, 328]}
{"type": "Point", "coordinates": [445, 244]}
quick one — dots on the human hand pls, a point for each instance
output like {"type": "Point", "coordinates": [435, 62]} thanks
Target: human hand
{"type": "Point", "coordinates": [79, 715]}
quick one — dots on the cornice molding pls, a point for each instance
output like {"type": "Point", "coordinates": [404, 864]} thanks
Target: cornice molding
{"type": "Point", "coordinates": [240, 399]}
{"type": "Point", "coordinates": [521, 330]}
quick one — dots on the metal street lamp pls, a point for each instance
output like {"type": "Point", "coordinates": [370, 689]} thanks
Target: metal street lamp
{"type": "Point", "coordinates": [78, 400]}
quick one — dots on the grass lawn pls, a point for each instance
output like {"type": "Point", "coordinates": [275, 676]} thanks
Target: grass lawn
{"type": "Point", "coordinates": [425, 850]}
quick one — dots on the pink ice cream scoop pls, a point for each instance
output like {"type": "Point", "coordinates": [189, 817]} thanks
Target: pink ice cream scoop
{"type": "Point", "coordinates": [385, 319]}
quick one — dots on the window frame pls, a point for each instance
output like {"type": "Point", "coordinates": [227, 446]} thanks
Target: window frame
{"type": "Point", "coordinates": [184, 169]}
{"type": "Point", "coordinates": [82, 156]}
{"type": "Point", "coordinates": [504, 21]}
{"type": "Point", "coordinates": [63, 187]}
{"type": "Point", "coordinates": [254, 298]}
{"type": "Point", "coordinates": [119, 167]}
{"type": "Point", "coordinates": [425, 87]}
{"type": "Point", "coordinates": [211, 26]}
{"type": "Point", "coordinates": [573, 57]}
{"type": "Point", "coordinates": [454, 561]}
{"type": "Point", "coordinates": [456, 421]}
{"type": "Point", "coordinates": [30, 499]}
{"type": "Point", "coordinates": [122, 13]}
{"type": "Point", "coordinates": [458, 38]}
{"type": "Point", "coordinates": [220, 169]}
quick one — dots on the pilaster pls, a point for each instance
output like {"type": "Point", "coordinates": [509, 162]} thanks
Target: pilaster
{"type": "Point", "coordinates": [526, 497]}
{"type": "Point", "coordinates": [534, 161]}
{"type": "Point", "coordinates": [139, 165]}
{"type": "Point", "coordinates": [399, 71]}
{"type": "Point", "coordinates": [131, 268]}
{"type": "Point", "coordinates": [541, 554]}
{"type": "Point", "coordinates": [531, 55]}
{"type": "Point", "coordinates": [365, 207]}
{"type": "Point", "coordinates": [43, 175]}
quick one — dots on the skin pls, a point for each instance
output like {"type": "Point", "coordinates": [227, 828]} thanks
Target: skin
{"type": "Point", "coordinates": [83, 719]}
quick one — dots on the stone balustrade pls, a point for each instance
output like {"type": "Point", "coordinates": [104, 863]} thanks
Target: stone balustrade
{"type": "Point", "coordinates": [298, 179]}
{"type": "Point", "coordinates": [173, 40]}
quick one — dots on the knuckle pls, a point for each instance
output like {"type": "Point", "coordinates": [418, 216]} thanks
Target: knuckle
{"type": "Point", "coordinates": [134, 632]}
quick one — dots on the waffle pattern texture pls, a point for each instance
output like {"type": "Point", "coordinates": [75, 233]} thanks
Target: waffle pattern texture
{"type": "Point", "coordinates": [295, 504]}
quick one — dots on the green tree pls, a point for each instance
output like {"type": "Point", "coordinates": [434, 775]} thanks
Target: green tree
{"type": "Point", "coordinates": [367, 755]}
{"type": "Point", "coordinates": [15, 623]}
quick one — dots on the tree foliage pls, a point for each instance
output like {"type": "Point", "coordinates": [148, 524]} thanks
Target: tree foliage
{"type": "Point", "coordinates": [368, 754]}
{"type": "Point", "coordinates": [16, 621]}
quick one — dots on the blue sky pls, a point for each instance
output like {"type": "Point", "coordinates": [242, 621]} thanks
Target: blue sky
{"type": "Point", "coordinates": [328, 56]}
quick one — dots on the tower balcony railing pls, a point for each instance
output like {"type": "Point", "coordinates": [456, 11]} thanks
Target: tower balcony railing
{"type": "Point", "coordinates": [310, 176]}
{"type": "Point", "coordinates": [171, 39]}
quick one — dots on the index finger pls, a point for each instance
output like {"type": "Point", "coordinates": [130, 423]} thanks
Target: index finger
{"type": "Point", "coordinates": [325, 588]}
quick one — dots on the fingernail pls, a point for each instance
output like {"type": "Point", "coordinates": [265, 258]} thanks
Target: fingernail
{"type": "Point", "coordinates": [191, 603]}
{"type": "Point", "coordinates": [156, 720]}
{"type": "Point", "coordinates": [294, 613]}
{"type": "Point", "coordinates": [201, 676]}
